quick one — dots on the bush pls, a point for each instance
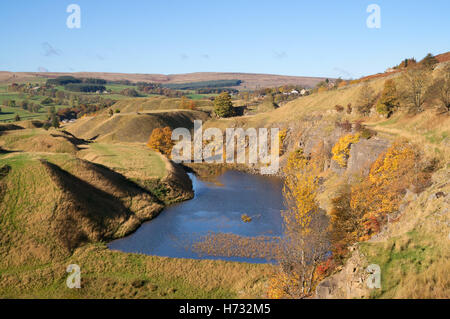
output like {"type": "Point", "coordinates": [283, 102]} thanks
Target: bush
{"type": "Point", "coordinates": [366, 99]}
{"type": "Point", "coordinates": [223, 106]}
{"type": "Point", "coordinates": [389, 99]}
{"type": "Point", "coordinates": [47, 125]}
{"type": "Point", "coordinates": [130, 92]}
{"type": "Point", "coordinates": [341, 150]}
{"type": "Point", "coordinates": [339, 108]}
{"type": "Point", "coordinates": [349, 108]}
{"type": "Point", "coordinates": [47, 101]}
{"type": "Point", "coordinates": [346, 125]}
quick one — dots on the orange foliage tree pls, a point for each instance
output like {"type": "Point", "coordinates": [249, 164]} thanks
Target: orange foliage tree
{"type": "Point", "coordinates": [359, 211]}
{"type": "Point", "coordinates": [161, 140]}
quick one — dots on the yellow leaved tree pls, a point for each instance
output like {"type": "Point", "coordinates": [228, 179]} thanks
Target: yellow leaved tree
{"type": "Point", "coordinates": [341, 150]}
{"type": "Point", "coordinates": [305, 241]}
{"type": "Point", "coordinates": [161, 140]}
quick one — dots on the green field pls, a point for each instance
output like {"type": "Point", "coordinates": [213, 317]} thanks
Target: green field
{"type": "Point", "coordinates": [132, 160]}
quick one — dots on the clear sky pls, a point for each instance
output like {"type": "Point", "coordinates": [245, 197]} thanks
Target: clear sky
{"type": "Point", "coordinates": [310, 38]}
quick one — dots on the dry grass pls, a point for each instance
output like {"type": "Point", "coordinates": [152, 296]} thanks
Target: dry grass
{"type": "Point", "coordinates": [110, 274]}
{"type": "Point", "coordinates": [135, 161]}
{"type": "Point", "coordinates": [131, 127]}
{"type": "Point", "coordinates": [39, 140]}
{"type": "Point", "coordinates": [413, 252]}
{"type": "Point", "coordinates": [56, 203]}
{"type": "Point", "coordinates": [157, 103]}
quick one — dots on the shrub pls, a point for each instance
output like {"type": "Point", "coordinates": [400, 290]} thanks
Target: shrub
{"type": "Point", "coordinates": [223, 106]}
{"type": "Point", "coordinates": [366, 99]}
{"type": "Point", "coordinates": [341, 150]}
{"type": "Point", "coordinates": [389, 100]}
{"type": "Point", "coordinates": [339, 108]}
{"type": "Point", "coordinates": [282, 136]}
{"type": "Point", "coordinates": [429, 61]}
{"type": "Point", "coordinates": [349, 108]}
{"type": "Point", "coordinates": [47, 125]}
{"type": "Point", "coordinates": [346, 125]}
{"type": "Point", "coordinates": [47, 101]}
{"type": "Point", "coordinates": [129, 92]}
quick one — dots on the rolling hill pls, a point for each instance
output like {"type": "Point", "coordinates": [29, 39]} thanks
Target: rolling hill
{"type": "Point", "coordinates": [249, 80]}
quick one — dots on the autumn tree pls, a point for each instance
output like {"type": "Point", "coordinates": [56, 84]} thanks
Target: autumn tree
{"type": "Point", "coordinates": [345, 223]}
{"type": "Point", "coordinates": [414, 85]}
{"type": "Point", "coordinates": [188, 104]}
{"type": "Point", "coordinates": [429, 61]}
{"type": "Point", "coordinates": [389, 99]}
{"type": "Point", "coordinates": [223, 106]}
{"type": "Point", "coordinates": [191, 105]}
{"type": "Point", "coordinates": [441, 87]}
{"type": "Point", "coordinates": [341, 150]}
{"type": "Point", "coordinates": [366, 99]}
{"type": "Point", "coordinates": [305, 243]}
{"type": "Point", "coordinates": [161, 140]}
{"type": "Point", "coordinates": [359, 210]}
{"type": "Point", "coordinates": [319, 156]}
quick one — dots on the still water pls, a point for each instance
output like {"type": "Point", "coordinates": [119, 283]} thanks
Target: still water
{"type": "Point", "coordinates": [217, 207]}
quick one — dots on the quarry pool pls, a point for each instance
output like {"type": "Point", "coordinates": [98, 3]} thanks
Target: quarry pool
{"type": "Point", "coordinates": [190, 229]}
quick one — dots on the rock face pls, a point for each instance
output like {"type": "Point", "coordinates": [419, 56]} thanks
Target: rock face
{"type": "Point", "coordinates": [177, 182]}
{"type": "Point", "coordinates": [350, 282]}
{"type": "Point", "coordinates": [317, 129]}
{"type": "Point", "coordinates": [364, 153]}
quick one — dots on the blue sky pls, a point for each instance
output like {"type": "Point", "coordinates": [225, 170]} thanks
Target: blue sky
{"type": "Point", "coordinates": [310, 38]}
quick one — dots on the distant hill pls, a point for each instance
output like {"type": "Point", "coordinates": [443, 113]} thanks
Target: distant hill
{"type": "Point", "coordinates": [249, 80]}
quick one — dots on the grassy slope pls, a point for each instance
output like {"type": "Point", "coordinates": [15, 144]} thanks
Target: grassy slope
{"type": "Point", "coordinates": [414, 254]}
{"type": "Point", "coordinates": [131, 160]}
{"type": "Point", "coordinates": [156, 103]}
{"type": "Point", "coordinates": [39, 205]}
{"type": "Point", "coordinates": [131, 127]}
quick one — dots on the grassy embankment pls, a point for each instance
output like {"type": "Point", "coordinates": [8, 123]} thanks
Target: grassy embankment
{"type": "Point", "coordinates": [57, 210]}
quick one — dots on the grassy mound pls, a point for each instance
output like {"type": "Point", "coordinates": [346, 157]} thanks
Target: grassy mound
{"type": "Point", "coordinates": [132, 160]}
{"type": "Point", "coordinates": [156, 103]}
{"type": "Point", "coordinates": [131, 127]}
{"type": "Point", "coordinates": [56, 203]}
{"type": "Point", "coordinates": [39, 140]}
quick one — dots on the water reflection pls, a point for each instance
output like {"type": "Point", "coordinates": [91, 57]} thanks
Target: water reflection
{"type": "Point", "coordinates": [217, 207]}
